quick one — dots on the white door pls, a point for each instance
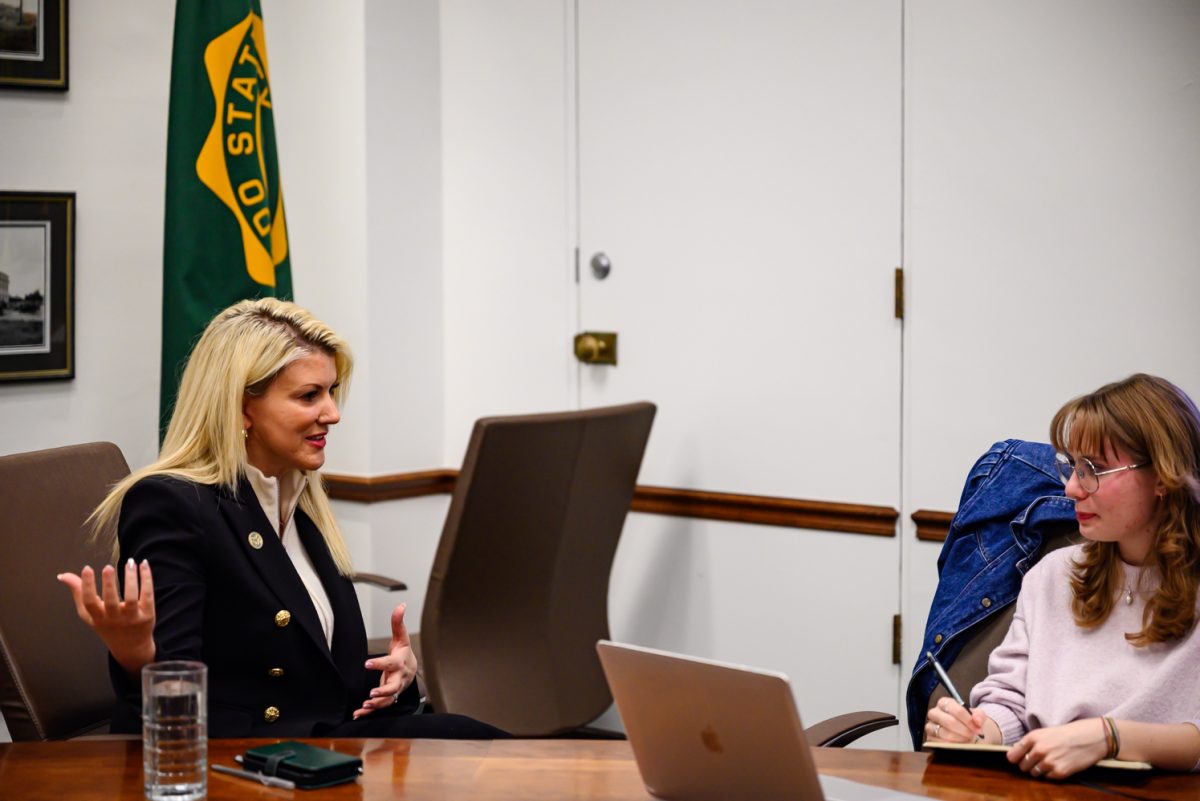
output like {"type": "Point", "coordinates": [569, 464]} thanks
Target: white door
{"type": "Point", "coordinates": [739, 165]}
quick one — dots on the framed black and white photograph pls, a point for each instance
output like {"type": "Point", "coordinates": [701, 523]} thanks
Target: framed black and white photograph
{"type": "Point", "coordinates": [37, 295]}
{"type": "Point", "coordinates": [33, 44]}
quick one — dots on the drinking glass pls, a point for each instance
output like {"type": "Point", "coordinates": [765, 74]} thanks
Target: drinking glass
{"type": "Point", "coordinates": [175, 730]}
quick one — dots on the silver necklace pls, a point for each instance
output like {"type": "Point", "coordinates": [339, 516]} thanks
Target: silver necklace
{"type": "Point", "coordinates": [1131, 589]}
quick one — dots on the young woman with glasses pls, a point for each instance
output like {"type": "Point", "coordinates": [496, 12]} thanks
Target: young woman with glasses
{"type": "Point", "coordinates": [1102, 658]}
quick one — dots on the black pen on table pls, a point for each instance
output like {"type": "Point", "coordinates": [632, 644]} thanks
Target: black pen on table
{"type": "Point", "coordinates": [949, 685]}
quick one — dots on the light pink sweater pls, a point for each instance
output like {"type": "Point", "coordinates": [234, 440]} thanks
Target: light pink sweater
{"type": "Point", "coordinates": [1049, 671]}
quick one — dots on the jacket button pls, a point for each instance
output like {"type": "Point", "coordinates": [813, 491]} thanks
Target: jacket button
{"type": "Point", "coordinates": [282, 618]}
{"type": "Point", "coordinates": [275, 672]}
{"type": "Point", "coordinates": [937, 639]}
{"type": "Point", "coordinates": [271, 714]}
{"type": "Point", "coordinates": [987, 602]}
{"type": "Point", "coordinates": [255, 539]}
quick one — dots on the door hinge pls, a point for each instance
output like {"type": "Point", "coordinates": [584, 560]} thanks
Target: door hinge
{"type": "Point", "coordinates": [899, 293]}
{"type": "Point", "coordinates": [897, 628]}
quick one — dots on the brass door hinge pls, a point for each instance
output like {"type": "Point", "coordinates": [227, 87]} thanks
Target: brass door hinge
{"type": "Point", "coordinates": [899, 293]}
{"type": "Point", "coordinates": [897, 628]}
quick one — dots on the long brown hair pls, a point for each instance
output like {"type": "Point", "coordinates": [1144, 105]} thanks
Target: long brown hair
{"type": "Point", "coordinates": [1156, 423]}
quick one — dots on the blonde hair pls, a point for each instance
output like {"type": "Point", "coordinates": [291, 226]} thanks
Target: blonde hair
{"type": "Point", "coordinates": [240, 353]}
{"type": "Point", "coordinates": [1157, 424]}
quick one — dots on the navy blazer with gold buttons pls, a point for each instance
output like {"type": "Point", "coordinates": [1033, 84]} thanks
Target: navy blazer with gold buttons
{"type": "Point", "coordinates": [242, 610]}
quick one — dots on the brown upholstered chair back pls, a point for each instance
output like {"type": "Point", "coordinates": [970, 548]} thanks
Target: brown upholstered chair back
{"type": "Point", "coordinates": [518, 594]}
{"type": "Point", "coordinates": [971, 665]}
{"type": "Point", "coordinates": [53, 672]}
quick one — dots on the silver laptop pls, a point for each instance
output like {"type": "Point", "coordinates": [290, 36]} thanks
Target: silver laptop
{"type": "Point", "coordinates": [708, 731]}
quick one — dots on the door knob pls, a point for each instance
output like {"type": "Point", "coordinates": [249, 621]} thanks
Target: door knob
{"type": "Point", "coordinates": [596, 347]}
{"type": "Point", "coordinates": [601, 266]}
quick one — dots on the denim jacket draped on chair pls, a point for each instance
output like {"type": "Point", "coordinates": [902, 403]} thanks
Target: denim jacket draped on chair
{"type": "Point", "coordinates": [1013, 496]}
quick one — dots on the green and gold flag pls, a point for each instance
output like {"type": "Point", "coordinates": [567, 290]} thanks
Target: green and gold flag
{"type": "Point", "coordinates": [225, 236]}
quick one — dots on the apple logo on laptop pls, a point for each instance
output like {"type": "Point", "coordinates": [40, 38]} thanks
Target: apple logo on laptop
{"type": "Point", "coordinates": [710, 739]}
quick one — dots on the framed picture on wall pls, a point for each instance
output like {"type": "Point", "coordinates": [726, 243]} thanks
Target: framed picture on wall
{"type": "Point", "coordinates": [37, 286]}
{"type": "Point", "coordinates": [33, 44]}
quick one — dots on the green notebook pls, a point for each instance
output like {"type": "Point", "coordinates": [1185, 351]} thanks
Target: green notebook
{"type": "Point", "coordinates": [308, 766]}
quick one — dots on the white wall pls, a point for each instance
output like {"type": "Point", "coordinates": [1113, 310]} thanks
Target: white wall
{"type": "Point", "coordinates": [105, 139]}
{"type": "Point", "coordinates": [404, 234]}
{"type": "Point", "coordinates": [405, 300]}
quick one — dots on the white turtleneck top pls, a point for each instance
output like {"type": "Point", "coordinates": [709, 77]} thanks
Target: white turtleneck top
{"type": "Point", "coordinates": [278, 498]}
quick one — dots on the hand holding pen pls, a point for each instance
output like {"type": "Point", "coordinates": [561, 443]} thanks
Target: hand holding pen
{"type": "Point", "coordinates": [952, 720]}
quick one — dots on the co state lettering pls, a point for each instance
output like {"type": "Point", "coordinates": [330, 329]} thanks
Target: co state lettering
{"type": "Point", "coordinates": [242, 143]}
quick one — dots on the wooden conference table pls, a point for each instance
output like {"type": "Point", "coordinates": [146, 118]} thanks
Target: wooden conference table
{"type": "Point", "coordinates": [520, 769]}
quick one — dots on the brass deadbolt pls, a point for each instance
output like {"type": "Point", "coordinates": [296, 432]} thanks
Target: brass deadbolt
{"type": "Point", "coordinates": [596, 347]}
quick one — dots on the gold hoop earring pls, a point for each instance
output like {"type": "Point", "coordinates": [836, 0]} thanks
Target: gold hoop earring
{"type": "Point", "coordinates": [245, 434]}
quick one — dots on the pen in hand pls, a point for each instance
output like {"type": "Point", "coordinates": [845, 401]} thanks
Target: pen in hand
{"type": "Point", "coordinates": [949, 685]}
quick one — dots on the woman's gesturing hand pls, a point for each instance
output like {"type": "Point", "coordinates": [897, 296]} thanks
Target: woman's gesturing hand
{"type": "Point", "coordinates": [126, 625]}
{"type": "Point", "coordinates": [399, 668]}
{"type": "Point", "coordinates": [1057, 752]}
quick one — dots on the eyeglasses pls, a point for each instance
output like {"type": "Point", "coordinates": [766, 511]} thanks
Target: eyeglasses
{"type": "Point", "coordinates": [1086, 472]}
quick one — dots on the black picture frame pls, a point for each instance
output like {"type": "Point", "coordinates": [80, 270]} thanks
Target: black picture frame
{"type": "Point", "coordinates": [37, 286]}
{"type": "Point", "coordinates": [33, 44]}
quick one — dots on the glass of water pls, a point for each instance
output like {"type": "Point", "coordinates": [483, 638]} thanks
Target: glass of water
{"type": "Point", "coordinates": [175, 730]}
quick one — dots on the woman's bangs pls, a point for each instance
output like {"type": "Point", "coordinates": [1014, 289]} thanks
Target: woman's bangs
{"type": "Point", "coordinates": [1086, 431]}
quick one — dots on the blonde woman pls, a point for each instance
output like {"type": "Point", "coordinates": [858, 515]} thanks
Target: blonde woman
{"type": "Point", "coordinates": [1101, 658]}
{"type": "Point", "coordinates": [229, 553]}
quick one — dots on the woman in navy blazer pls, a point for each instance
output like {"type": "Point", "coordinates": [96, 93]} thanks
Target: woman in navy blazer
{"type": "Point", "coordinates": [231, 554]}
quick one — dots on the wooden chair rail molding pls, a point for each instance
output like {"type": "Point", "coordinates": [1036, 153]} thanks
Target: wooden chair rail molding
{"type": "Point", "coordinates": [791, 512]}
{"type": "Point", "coordinates": [932, 526]}
{"type": "Point", "coordinates": [370, 489]}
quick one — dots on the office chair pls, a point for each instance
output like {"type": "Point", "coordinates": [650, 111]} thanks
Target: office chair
{"type": "Point", "coordinates": [518, 594]}
{"type": "Point", "coordinates": [54, 681]}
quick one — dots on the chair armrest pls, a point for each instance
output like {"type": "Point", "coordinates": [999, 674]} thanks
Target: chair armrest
{"type": "Point", "coordinates": [844, 729]}
{"type": "Point", "coordinates": [383, 582]}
